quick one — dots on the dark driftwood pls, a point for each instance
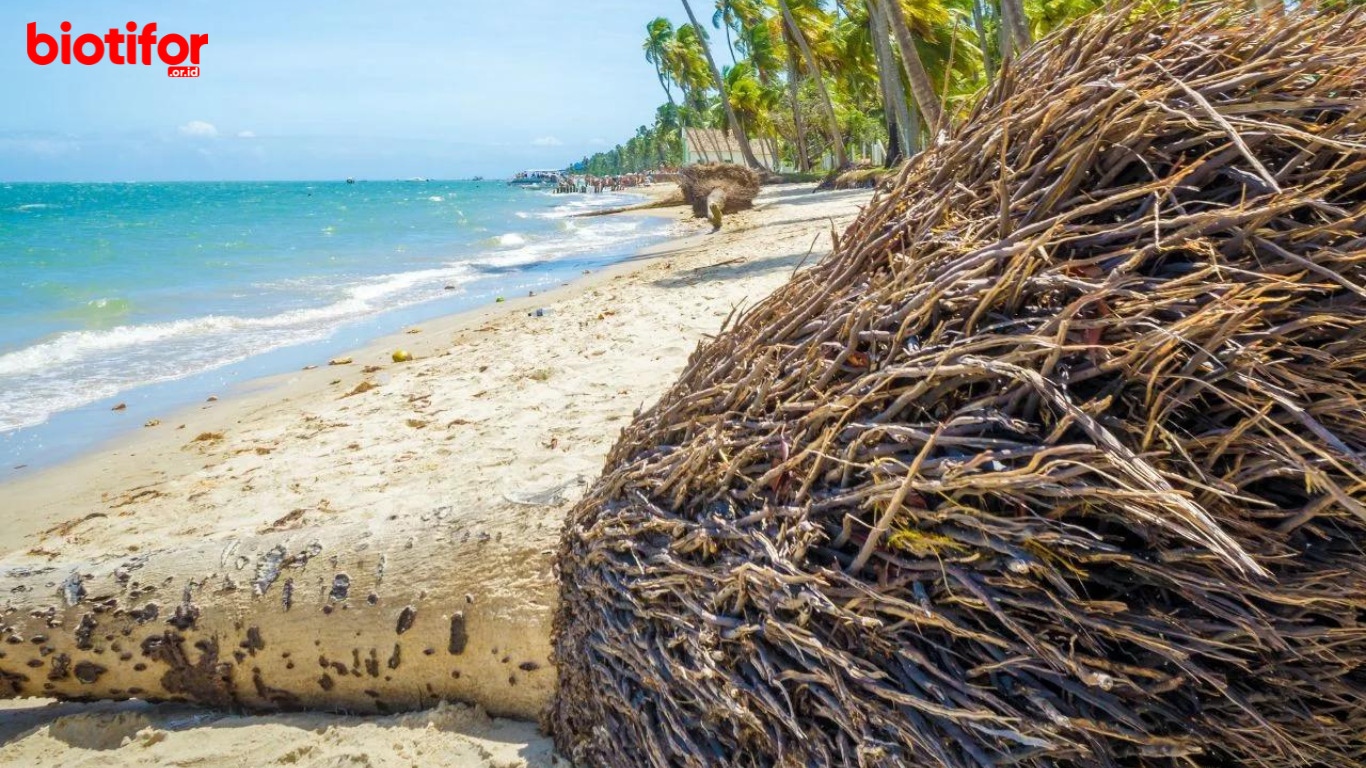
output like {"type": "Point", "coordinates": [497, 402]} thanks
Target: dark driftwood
{"type": "Point", "coordinates": [1058, 460]}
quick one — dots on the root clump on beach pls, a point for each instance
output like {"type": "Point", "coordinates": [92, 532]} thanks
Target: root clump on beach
{"type": "Point", "coordinates": [736, 185]}
{"type": "Point", "coordinates": [1058, 460]}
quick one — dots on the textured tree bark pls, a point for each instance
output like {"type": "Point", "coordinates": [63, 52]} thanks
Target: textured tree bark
{"type": "Point", "coordinates": [832, 123]}
{"type": "Point", "coordinates": [1016, 24]}
{"type": "Point", "coordinates": [893, 87]}
{"type": "Point", "coordinates": [361, 618]}
{"type": "Point", "coordinates": [793, 88]}
{"type": "Point", "coordinates": [921, 85]}
{"type": "Point", "coordinates": [979, 24]}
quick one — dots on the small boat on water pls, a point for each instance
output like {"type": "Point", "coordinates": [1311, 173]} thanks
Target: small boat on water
{"type": "Point", "coordinates": [535, 179]}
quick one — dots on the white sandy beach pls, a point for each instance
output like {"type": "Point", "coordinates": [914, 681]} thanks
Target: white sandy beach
{"type": "Point", "coordinates": [505, 415]}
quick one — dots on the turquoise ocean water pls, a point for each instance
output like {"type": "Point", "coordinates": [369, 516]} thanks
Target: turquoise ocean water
{"type": "Point", "coordinates": [155, 294]}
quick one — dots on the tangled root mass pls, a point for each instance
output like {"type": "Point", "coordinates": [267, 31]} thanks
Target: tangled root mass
{"type": "Point", "coordinates": [1058, 460]}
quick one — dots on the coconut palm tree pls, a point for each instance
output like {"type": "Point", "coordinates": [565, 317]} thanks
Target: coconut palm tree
{"type": "Point", "coordinates": [659, 40]}
{"type": "Point", "coordinates": [766, 42]}
{"type": "Point", "coordinates": [687, 66]}
{"type": "Point", "coordinates": [903, 129]}
{"type": "Point", "coordinates": [724, 19]}
{"type": "Point", "coordinates": [739, 130]}
{"type": "Point", "coordinates": [979, 23]}
{"type": "Point", "coordinates": [922, 87]}
{"type": "Point", "coordinates": [1015, 24]}
{"type": "Point", "coordinates": [827, 105]}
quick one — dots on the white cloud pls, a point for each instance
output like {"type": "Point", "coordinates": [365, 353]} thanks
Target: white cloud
{"type": "Point", "coordinates": [246, 134]}
{"type": "Point", "coordinates": [199, 129]}
{"type": "Point", "coordinates": [547, 141]}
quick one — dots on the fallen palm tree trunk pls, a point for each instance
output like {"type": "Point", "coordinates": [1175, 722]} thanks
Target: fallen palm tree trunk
{"type": "Point", "coordinates": [362, 618]}
{"type": "Point", "coordinates": [865, 176]}
{"type": "Point", "coordinates": [1058, 460]}
{"type": "Point", "coordinates": [670, 201]}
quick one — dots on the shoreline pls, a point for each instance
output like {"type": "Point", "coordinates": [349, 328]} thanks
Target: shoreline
{"type": "Point", "coordinates": [126, 452]}
{"type": "Point", "coordinates": [502, 421]}
{"type": "Point", "coordinates": [68, 435]}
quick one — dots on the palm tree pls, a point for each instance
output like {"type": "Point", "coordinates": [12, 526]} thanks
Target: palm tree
{"type": "Point", "coordinates": [659, 41]}
{"type": "Point", "coordinates": [926, 100]}
{"type": "Point", "coordinates": [739, 130]}
{"type": "Point", "coordinates": [687, 66]}
{"type": "Point", "coordinates": [799, 123]}
{"type": "Point", "coordinates": [724, 18]}
{"type": "Point", "coordinates": [1015, 24]}
{"type": "Point", "coordinates": [828, 106]}
{"type": "Point", "coordinates": [902, 128]}
{"type": "Point", "coordinates": [979, 23]}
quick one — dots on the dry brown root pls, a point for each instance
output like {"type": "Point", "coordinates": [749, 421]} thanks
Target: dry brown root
{"type": "Point", "coordinates": [738, 184]}
{"type": "Point", "coordinates": [1059, 460]}
{"type": "Point", "coordinates": [361, 618]}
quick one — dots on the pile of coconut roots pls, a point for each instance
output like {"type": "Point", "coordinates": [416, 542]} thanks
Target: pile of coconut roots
{"type": "Point", "coordinates": [732, 187]}
{"type": "Point", "coordinates": [1058, 460]}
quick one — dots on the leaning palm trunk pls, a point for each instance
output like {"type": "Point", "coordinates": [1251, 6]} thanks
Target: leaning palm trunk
{"type": "Point", "coordinates": [798, 122]}
{"type": "Point", "coordinates": [360, 618]}
{"type": "Point", "coordinates": [893, 87]}
{"type": "Point", "coordinates": [739, 130]}
{"type": "Point", "coordinates": [926, 100]}
{"type": "Point", "coordinates": [1015, 24]}
{"type": "Point", "coordinates": [979, 24]}
{"type": "Point", "coordinates": [827, 105]}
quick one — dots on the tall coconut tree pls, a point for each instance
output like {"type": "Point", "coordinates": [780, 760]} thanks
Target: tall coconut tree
{"type": "Point", "coordinates": [922, 87]}
{"type": "Point", "coordinates": [902, 128]}
{"type": "Point", "coordinates": [725, 19]}
{"type": "Point", "coordinates": [739, 130]}
{"type": "Point", "coordinates": [687, 66]}
{"type": "Point", "coordinates": [979, 24]}
{"type": "Point", "coordinates": [1015, 24]}
{"type": "Point", "coordinates": [827, 105]}
{"type": "Point", "coordinates": [659, 41]}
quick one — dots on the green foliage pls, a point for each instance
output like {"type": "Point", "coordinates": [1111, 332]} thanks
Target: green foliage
{"type": "Point", "coordinates": [959, 43]}
{"type": "Point", "coordinates": [654, 146]}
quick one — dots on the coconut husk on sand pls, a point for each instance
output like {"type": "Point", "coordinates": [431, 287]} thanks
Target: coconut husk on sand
{"type": "Point", "coordinates": [1058, 460]}
{"type": "Point", "coordinates": [739, 184]}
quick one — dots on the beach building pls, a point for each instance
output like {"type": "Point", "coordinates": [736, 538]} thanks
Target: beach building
{"type": "Point", "coordinates": [712, 145]}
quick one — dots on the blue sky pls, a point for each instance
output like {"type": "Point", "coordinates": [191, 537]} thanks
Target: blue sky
{"type": "Point", "coordinates": [305, 89]}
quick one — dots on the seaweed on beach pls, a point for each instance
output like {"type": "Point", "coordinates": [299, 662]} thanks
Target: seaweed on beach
{"type": "Point", "coordinates": [1059, 459]}
{"type": "Point", "coordinates": [739, 184]}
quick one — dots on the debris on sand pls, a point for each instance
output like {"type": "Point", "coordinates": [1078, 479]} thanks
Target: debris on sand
{"type": "Point", "coordinates": [1058, 460]}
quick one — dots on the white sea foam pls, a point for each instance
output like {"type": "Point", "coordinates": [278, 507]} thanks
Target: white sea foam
{"type": "Point", "coordinates": [76, 368]}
